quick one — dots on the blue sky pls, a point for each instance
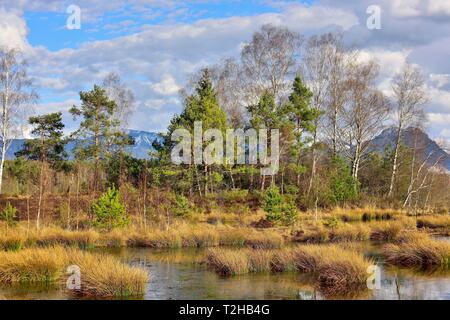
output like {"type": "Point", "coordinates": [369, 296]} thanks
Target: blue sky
{"type": "Point", "coordinates": [47, 28]}
{"type": "Point", "coordinates": [155, 45]}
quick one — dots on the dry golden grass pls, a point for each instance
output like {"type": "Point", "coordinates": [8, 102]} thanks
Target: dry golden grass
{"type": "Point", "coordinates": [228, 262]}
{"type": "Point", "coordinates": [337, 270]}
{"type": "Point", "coordinates": [434, 222]}
{"type": "Point", "coordinates": [60, 237]}
{"type": "Point", "coordinates": [12, 241]}
{"type": "Point", "coordinates": [386, 231]}
{"type": "Point", "coordinates": [418, 252]}
{"type": "Point", "coordinates": [318, 234]}
{"type": "Point", "coordinates": [33, 265]}
{"type": "Point", "coordinates": [343, 275]}
{"type": "Point", "coordinates": [101, 275]}
{"type": "Point", "coordinates": [366, 214]}
{"type": "Point", "coordinates": [350, 232]}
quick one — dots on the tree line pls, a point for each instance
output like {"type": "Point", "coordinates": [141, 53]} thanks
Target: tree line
{"type": "Point", "coordinates": [322, 95]}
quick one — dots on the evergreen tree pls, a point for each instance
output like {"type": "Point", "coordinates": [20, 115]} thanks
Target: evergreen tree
{"type": "Point", "coordinates": [47, 148]}
{"type": "Point", "coordinates": [302, 115]}
{"type": "Point", "coordinates": [99, 133]}
{"type": "Point", "coordinates": [200, 106]}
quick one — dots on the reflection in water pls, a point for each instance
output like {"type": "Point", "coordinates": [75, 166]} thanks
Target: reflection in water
{"type": "Point", "coordinates": [180, 274]}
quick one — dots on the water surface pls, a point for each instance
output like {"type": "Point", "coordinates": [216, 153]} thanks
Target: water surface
{"type": "Point", "coordinates": [181, 274]}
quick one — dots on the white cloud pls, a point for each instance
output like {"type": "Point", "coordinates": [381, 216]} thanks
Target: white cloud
{"type": "Point", "coordinates": [167, 86]}
{"type": "Point", "coordinates": [13, 31]}
{"type": "Point", "coordinates": [157, 60]}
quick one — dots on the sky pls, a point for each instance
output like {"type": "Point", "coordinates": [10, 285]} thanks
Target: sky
{"type": "Point", "coordinates": [155, 45]}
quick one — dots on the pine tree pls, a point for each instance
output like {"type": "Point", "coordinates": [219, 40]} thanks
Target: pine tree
{"type": "Point", "coordinates": [99, 132]}
{"type": "Point", "coordinates": [47, 148]}
{"type": "Point", "coordinates": [302, 115]}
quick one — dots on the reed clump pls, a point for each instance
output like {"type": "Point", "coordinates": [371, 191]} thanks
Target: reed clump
{"type": "Point", "coordinates": [350, 232]}
{"type": "Point", "coordinates": [227, 262]}
{"type": "Point", "coordinates": [33, 265]}
{"type": "Point", "coordinates": [418, 252]}
{"type": "Point", "coordinates": [434, 222]}
{"type": "Point", "coordinates": [105, 276]}
{"type": "Point", "coordinates": [336, 270]}
{"type": "Point", "coordinates": [12, 241]}
{"type": "Point", "coordinates": [59, 237]}
{"type": "Point", "coordinates": [101, 275]}
{"type": "Point", "coordinates": [386, 231]}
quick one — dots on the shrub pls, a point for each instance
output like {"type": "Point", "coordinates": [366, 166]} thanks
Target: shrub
{"type": "Point", "coordinates": [344, 187]}
{"type": "Point", "coordinates": [272, 203]}
{"type": "Point", "coordinates": [289, 214]}
{"type": "Point", "coordinates": [277, 208]}
{"type": "Point", "coordinates": [181, 207]}
{"type": "Point", "coordinates": [109, 212]}
{"type": "Point", "coordinates": [9, 215]}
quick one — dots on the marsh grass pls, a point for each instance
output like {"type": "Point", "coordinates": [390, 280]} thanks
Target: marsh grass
{"type": "Point", "coordinates": [418, 252]}
{"type": "Point", "coordinates": [336, 270]}
{"type": "Point", "coordinates": [228, 262]}
{"type": "Point", "coordinates": [12, 241]}
{"type": "Point", "coordinates": [32, 265]}
{"type": "Point", "coordinates": [386, 231]}
{"type": "Point", "coordinates": [350, 232]}
{"type": "Point", "coordinates": [434, 222]}
{"type": "Point", "coordinates": [101, 275]}
{"type": "Point", "coordinates": [58, 237]}
{"type": "Point", "coordinates": [367, 214]}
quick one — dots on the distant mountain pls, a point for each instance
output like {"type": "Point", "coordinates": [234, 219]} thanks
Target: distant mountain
{"type": "Point", "coordinates": [424, 143]}
{"type": "Point", "coordinates": [143, 144]}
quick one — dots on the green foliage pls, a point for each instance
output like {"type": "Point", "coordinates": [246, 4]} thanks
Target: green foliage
{"type": "Point", "coordinates": [181, 207]}
{"type": "Point", "coordinates": [289, 213]}
{"type": "Point", "coordinates": [200, 106]}
{"type": "Point", "coordinates": [49, 143]}
{"type": "Point", "coordinates": [272, 203]}
{"type": "Point", "coordinates": [235, 196]}
{"type": "Point", "coordinates": [332, 222]}
{"type": "Point", "coordinates": [8, 215]}
{"type": "Point", "coordinates": [277, 208]}
{"type": "Point", "coordinates": [265, 114]}
{"type": "Point", "coordinates": [109, 212]}
{"type": "Point", "coordinates": [99, 132]}
{"type": "Point", "coordinates": [344, 187]}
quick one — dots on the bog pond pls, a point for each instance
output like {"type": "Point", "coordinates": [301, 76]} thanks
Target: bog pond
{"type": "Point", "coordinates": [181, 274]}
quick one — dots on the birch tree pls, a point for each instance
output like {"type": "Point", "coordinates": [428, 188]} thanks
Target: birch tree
{"type": "Point", "coordinates": [269, 59]}
{"type": "Point", "coordinates": [366, 111]}
{"type": "Point", "coordinates": [16, 94]}
{"type": "Point", "coordinates": [410, 96]}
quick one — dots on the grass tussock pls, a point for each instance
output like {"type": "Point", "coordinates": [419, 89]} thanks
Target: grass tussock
{"type": "Point", "coordinates": [59, 237]}
{"type": "Point", "coordinates": [228, 262]}
{"type": "Point", "coordinates": [343, 275]}
{"type": "Point", "coordinates": [434, 222]}
{"type": "Point", "coordinates": [365, 214]}
{"type": "Point", "coordinates": [386, 231]}
{"type": "Point", "coordinates": [12, 241]}
{"type": "Point", "coordinates": [350, 232]}
{"type": "Point", "coordinates": [418, 252]}
{"type": "Point", "coordinates": [337, 270]}
{"type": "Point", "coordinates": [33, 265]}
{"type": "Point", "coordinates": [101, 275]}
